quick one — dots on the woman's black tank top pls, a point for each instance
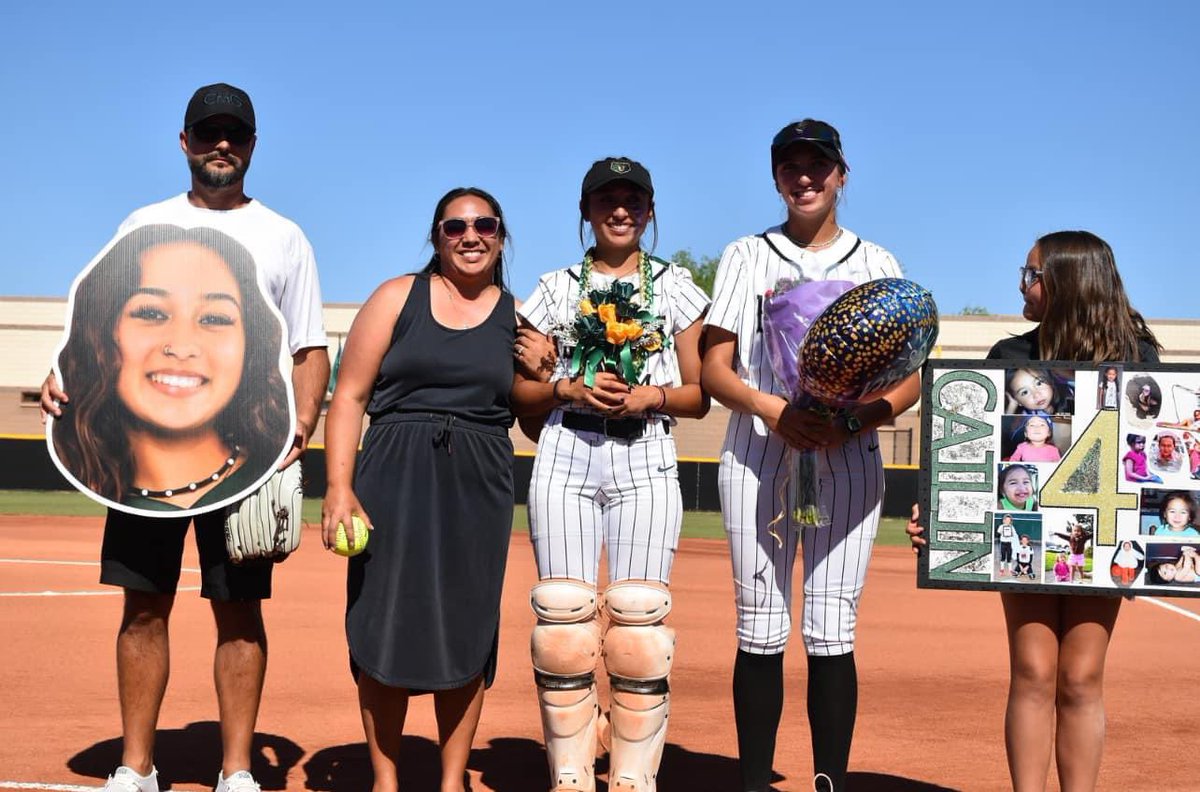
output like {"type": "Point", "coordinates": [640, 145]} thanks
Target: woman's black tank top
{"type": "Point", "coordinates": [434, 369]}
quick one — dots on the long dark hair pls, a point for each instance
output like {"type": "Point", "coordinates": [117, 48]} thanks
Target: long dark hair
{"type": "Point", "coordinates": [91, 439]}
{"type": "Point", "coordinates": [1088, 316]}
{"type": "Point", "coordinates": [434, 267]}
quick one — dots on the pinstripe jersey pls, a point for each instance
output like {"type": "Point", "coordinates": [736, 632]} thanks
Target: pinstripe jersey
{"type": "Point", "coordinates": [752, 265]}
{"type": "Point", "coordinates": [677, 299]}
{"type": "Point", "coordinates": [754, 463]}
{"type": "Point", "coordinates": [588, 490]}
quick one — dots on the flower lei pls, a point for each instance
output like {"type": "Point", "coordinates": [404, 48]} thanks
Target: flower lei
{"type": "Point", "coordinates": [613, 328]}
{"type": "Point", "coordinates": [645, 277]}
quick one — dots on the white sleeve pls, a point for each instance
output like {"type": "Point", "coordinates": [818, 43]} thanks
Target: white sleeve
{"type": "Point", "coordinates": [539, 308]}
{"type": "Point", "coordinates": [688, 300]}
{"type": "Point", "coordinates": [886, 266]}
{"type": "Point", "coordinates": [128, 224]}
{"type": "Point", "coordinates": [729, 291]}
{"type": "Point", "coordinates": [300, 302]}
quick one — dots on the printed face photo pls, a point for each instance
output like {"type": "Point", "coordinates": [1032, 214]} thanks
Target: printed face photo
{"type": "Point", "coordinates": [1069, 548]}
{"type": "Point", "coordinates": [1036, 437]}
{"type": "Point", "coordinates": [1170, 513]}
{"type": "Point", "coordinates": [1166, 455]}
{"type": "Point", "coordinates": [1017, 547]}
{"type": "Point", "coordinates": [176, 365]}
{"type": "Point", "coordinates": [181, 339]}
{"type": "Point", "coordinates": [1173, 564]}
{"type": "Point", "coordinates": [1035, 390]}
{"type": "Point", "coordinates": [1127, 563]}
{"type": "Point", "coordinates": [1108, 391]}
{"type": "Point", "coordinates": [1016, 487]}
{"type": "Point", "coordinates": [1144, 396]}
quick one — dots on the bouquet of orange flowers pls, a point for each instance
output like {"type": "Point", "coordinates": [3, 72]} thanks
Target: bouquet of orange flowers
{"type": "Point", "coordinates": [612, 331]}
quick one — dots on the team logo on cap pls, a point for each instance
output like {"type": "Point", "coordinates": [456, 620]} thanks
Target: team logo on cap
{"type": "Point", "coordinates": [215, 98]}
{"type": "Point", "coordinates": [620, 166]}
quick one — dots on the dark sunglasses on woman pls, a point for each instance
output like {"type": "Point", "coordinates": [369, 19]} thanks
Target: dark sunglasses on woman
{"type": "Point", "coordinates": [456, 227]}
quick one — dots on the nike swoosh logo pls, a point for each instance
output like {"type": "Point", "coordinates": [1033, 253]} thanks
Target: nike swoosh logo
{"type": "Point", "coordinates": [873, 447]}
{"type": "Point", "coordinates": [664, 468]}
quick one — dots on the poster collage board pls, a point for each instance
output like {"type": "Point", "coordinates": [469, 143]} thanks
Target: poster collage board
{"type": "Point", "coordinates": [1061, 477]}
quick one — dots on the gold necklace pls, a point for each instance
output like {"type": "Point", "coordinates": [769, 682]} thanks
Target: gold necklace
{"type": "Point", "coordinates": [814, 245]}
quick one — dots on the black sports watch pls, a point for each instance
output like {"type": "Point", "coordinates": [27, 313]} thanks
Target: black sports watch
{"type": "Point", "coordinates": [851, 422]}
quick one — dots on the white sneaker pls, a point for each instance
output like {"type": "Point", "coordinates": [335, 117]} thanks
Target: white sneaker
{"type": "Point", "coordinates": [241, 781]}
{"type": "Point", "coordinates": [124, 779]}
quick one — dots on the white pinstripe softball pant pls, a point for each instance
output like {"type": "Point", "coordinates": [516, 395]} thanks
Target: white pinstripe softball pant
{"type": "Point", "coordinates": [752, 472]}
{"type": "Point", "coordinates": [588, 489]}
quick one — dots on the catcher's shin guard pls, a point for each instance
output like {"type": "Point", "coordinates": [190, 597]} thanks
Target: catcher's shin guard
{"type": "Point", "coordinates": [565, 647]}
{"type": "Point", "coordinates": [638, 652]}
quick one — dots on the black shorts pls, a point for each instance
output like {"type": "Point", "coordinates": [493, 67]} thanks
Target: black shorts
{"type": "Point", "coordinates": [146, 554]}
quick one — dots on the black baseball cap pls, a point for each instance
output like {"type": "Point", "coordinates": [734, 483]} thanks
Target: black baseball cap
{"type": "Point", "coordinates": [815, 133]}
{"type": "Point", "coordinates": [611, 169]}
{"type": "Point", "coordinates": [219, 99]}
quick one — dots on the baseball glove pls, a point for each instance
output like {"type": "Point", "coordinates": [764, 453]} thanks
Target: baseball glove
{"type": "Point", "coordinates": [267, 524]}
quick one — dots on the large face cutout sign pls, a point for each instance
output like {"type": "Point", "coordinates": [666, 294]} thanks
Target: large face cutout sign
{"type": "Point", "coordinates": [176, 367]}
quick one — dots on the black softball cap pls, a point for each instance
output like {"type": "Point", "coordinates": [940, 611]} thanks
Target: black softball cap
{"type": "Point", "coordinates": [813, 132]}
{"type": "Point", "coordinates": [611, 169]}
{"type": "Point", "coordinates": [219, 99]}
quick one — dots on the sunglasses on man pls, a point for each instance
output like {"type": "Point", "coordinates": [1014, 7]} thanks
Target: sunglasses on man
{"type": "Point", "coordinates": [456, 227]}
{"type": "Point", "coordinates": [212, 132]}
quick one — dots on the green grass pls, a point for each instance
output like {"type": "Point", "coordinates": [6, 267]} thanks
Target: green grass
{"type": "Point", "coordinates": [702, 525]}
{"type": "Point", "coordinates": [60, 504]}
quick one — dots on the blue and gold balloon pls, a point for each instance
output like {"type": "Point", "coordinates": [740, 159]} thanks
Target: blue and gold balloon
{"type": "Point", "coordinates": [868, 340]}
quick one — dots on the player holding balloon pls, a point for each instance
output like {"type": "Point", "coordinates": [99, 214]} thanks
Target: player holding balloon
{"type": "Point", "coordinates": [809, 171]}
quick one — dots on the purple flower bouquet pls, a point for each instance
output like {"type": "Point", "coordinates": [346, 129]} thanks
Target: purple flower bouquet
{"type": "Point", "coordinates": [788, 311]}
{"type": "Point", "coordinates": [832, 345]}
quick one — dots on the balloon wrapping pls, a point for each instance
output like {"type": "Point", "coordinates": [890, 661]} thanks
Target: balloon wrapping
{"type": "Point", "coordinates": [831, 345]}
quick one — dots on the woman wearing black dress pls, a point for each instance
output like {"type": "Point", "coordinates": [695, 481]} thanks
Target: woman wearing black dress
{"type": "Point", "coordinates": [429, 358]}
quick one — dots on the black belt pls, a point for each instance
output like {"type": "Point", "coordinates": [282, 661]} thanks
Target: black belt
{"type": "Point", "coordinates": [621, 428]}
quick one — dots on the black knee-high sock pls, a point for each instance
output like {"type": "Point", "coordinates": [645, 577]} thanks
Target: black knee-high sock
{"type": "Point", "coordinates": [832, 704]}
{"type": "Point", "coordinates": [757, 705]}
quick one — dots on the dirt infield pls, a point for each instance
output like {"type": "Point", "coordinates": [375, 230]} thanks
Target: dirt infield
{"type": "Point", "coordinates": [932, 669]}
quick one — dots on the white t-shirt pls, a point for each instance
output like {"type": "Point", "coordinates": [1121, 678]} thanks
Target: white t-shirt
{"type": "Point", "coordinates": [287, 269]}
{"type": "Point", "coordinates": [677, 299]}
{"type": "Point", "coordinates": [753, 264]}
{"type": "Point", "coordinates": [1008, 535]}
{"type": "Point", "coordinates": [1127, 559]}
{"type": "Point", "coordinates": [1110, 394]}
{"type": "Point", "coordinates": [1024, 554]}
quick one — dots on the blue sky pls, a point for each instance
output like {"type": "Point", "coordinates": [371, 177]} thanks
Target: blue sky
{"type": "Point", "coordinates": [970, 128]}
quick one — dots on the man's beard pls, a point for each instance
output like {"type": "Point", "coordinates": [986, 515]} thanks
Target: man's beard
{"type": "Point", "coordinates": [216, 180]}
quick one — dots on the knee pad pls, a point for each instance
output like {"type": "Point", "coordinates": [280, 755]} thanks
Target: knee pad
{"type": "Point", "coordinates": [563, 600]}
{"type": "Point", "coordinates": [564, 652]}
{"type": "Point", "coordinates": [638, 659]}
{"type": "Point", "coordinates": [637, 602]}
{"type": "Point", "coordinates": [565, 644]}
{"type": "Point", "coordinates": [638, 648]}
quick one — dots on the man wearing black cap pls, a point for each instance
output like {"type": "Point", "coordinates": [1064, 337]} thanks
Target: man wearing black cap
{"type": "Point", "coordinates": [143, 555]}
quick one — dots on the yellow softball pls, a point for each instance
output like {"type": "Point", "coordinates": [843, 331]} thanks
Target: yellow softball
{"type": "Point", "coordinates": [341, 545]}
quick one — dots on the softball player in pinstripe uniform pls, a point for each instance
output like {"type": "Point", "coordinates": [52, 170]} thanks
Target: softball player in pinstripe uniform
{"type": "Point", "coordinates": [809, 171]}
{"type": "Point", "coordinates": [606, 473]}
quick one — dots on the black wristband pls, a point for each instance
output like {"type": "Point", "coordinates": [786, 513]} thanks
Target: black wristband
{"type": "Point", "coordinates": [554, 392]}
